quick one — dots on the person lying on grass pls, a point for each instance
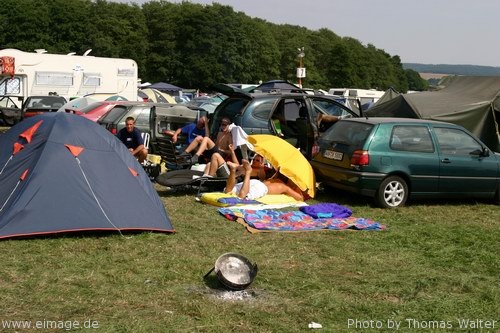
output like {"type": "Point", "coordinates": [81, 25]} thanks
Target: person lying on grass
{"type": "Point", "coordinates": [253, 188]}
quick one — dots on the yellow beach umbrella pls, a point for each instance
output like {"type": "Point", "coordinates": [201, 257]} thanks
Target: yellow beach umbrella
{"type": "Point", "coordinates": [287, 159]}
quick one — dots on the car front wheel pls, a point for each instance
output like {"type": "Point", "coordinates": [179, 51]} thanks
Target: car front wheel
{"type": "Point", "coordinates": [392, 192]}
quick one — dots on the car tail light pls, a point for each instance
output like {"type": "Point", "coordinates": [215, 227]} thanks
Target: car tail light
{"type": "Point", "coordinates": [360, 157]}
{"type": "Point", "coordinates": [314, 150]}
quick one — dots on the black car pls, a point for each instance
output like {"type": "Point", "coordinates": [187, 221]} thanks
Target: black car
{"type": "Point", "coordinates": [34, 105]}
{"type": "Point", "coordinates": [290, 114]}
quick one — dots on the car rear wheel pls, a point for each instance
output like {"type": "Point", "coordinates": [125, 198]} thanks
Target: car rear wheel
{"type": "Point", "coordinates": [392, 192]}
{"type": "Point", "coordinates": [496, 198]}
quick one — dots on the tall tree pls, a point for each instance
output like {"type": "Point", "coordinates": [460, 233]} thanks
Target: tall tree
{"type": "Point", "coordinates": [415, 81]}
{"type": "Point", "coordinates": [70, 23]}
{"type": "Point", "coordinates": [193, 45]}
{"type": "Point", "coordinates": [25, 25]}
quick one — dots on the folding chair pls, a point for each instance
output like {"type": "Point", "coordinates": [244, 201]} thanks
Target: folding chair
{"type": "Point", "coordinates": [190, 180]}
{"type": "Point", "coordinates": [172, 158]}
{"type": "Point", "coordinates": [145, 138]}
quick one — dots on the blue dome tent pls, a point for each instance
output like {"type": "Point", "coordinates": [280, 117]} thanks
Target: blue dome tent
{"type": "Point", "coordinates": [61, 173]}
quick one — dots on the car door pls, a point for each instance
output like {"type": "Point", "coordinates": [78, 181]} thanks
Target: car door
{"type": "Point", "coordinates": [327, 106]}
{"type": "Point", "coordinates": [255, 118]}
{"type": "Point", "coordinates": [153, 124]}
{"type": "Point", "coordinates": [413, 152]}
{"type": "Point", "coordinates": [464, 169]}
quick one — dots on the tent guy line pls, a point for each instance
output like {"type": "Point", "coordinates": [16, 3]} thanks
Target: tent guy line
{"type": "Point", "coordinates": [75, 153]}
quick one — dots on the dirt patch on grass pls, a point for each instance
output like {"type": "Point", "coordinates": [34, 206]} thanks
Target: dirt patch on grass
{"type": "Point", "coordinates": [225, 295]}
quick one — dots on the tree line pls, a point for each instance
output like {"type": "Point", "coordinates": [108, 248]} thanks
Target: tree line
{"type": "Point", "coordinates": [194, 46]}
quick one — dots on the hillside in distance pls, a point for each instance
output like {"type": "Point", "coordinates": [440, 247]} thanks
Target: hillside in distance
{"type": "Point", "coordinates": [469, 70]}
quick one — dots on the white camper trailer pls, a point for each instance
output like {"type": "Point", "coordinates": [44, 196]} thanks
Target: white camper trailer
{"type": "Point", "coordinates": [363, 95]}
{"type": "Point", "coordinates": [24, 74]}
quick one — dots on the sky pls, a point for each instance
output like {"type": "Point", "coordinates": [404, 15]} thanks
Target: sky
{"type": "Point", "coordinates": [418, 31]}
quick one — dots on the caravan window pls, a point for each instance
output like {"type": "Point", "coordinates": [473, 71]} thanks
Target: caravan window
{"type": "Point", "coordinates": [126, 72]}
{"type": "Point", "coordinates": [93, 80]}
{"type": "Point", "coordinates": [54, 78]}
{"type": "Point", "coordinates": [10, 86]}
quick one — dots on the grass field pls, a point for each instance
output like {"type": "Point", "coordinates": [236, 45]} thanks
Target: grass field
{"type": "Point", "coordinates": [437, 263]}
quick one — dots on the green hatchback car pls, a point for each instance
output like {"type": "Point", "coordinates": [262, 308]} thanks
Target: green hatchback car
{"type": "Point", "coordinates": [394, 159]}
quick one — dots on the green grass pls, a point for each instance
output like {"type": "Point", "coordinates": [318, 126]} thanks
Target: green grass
{"type": "Point", "coordinates": [437, 261]}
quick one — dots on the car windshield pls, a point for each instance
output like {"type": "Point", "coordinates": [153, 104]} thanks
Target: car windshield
{"type": "Point", "coordinates": [210, 107]}
{"type": "Point", "coordinates": [348, 132]}
{"type": "Point", "coordinates": [114, 114]}
{"type": "Point", "coordinates": [228, 108]}
{"type": "Point", "coordinates": [91, 107]}
{"type": "Point", "coordinates": [46, 102]}
{"type": "Point", "coordinates": [329, 107]}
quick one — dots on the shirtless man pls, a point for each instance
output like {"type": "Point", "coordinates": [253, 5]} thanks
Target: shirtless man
{"type": "Point", "coordinates": [253, 188]}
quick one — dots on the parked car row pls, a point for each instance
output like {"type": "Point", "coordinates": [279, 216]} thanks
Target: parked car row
{"type": "Point", "coordinates": [391, 160]}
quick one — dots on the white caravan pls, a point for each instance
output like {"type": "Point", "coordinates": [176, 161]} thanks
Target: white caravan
{"type": "Point", "coordinates": [363, 95]}
{"type": "Point", "coordinates": [24, 74]}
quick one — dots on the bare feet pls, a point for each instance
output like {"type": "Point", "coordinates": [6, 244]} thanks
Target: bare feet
{"type": "Point", "coordinates": [246, 165]}
{"type": "Point", "coordinates": [232, 166]}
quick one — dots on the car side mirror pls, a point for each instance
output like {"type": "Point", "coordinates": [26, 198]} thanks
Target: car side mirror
{"type": "Point", "coordinates": [484, 152]}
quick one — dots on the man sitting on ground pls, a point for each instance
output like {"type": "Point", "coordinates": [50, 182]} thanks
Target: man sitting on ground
{"type": "Point", "coordinates": [132, 139]}
{"type": "Point", "coordinates": [253, 188]}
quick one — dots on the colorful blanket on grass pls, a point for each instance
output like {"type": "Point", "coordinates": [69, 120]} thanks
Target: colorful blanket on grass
{"type": "Point", "coordinates": [275, 220]}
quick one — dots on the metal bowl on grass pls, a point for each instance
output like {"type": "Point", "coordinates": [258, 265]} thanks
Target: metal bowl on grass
{"type": "Point", "coordinates": [234, 271]}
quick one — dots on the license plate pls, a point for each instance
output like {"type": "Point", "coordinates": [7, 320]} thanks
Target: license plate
{"type": "Point", "coordinates": [333, 155]}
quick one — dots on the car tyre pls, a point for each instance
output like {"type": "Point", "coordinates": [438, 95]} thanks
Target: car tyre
{"type": "Point", "coordinates": [392, 192]}
{"type": "Point", "coordinates": [496, 198]}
